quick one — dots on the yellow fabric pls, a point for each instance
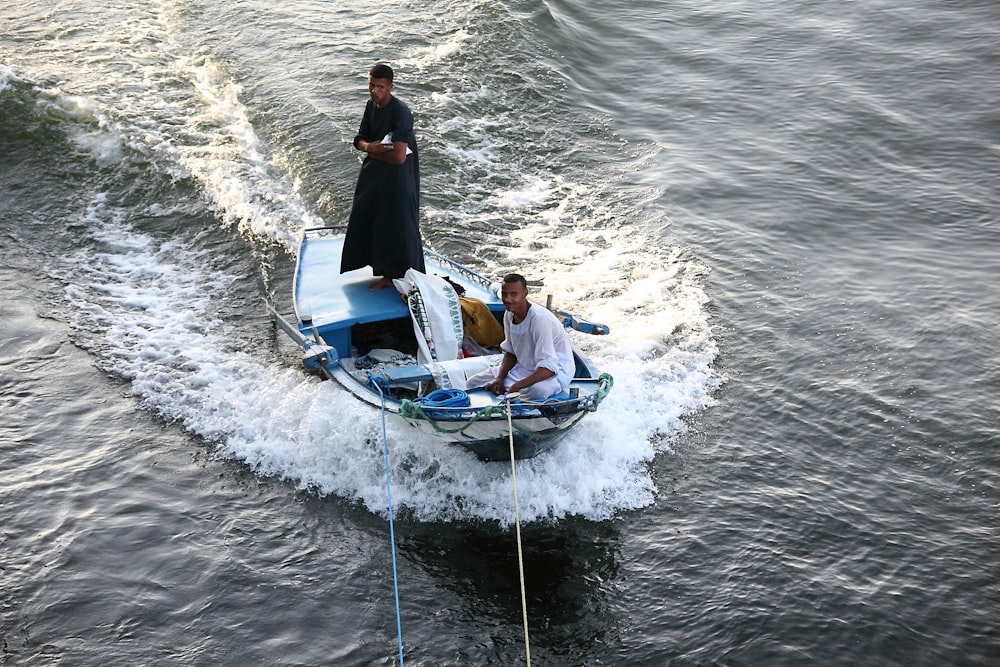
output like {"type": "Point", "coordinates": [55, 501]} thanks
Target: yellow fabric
{"type": "Point", "coordinates": [480, 323]}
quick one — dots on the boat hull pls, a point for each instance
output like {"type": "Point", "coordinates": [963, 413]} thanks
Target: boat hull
{"type": "Point", "coordinates": [491, 442]}
{"type": "Point", "coordinates": [486, 430]}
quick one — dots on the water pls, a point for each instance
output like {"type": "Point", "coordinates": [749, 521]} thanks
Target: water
{"type": "Point", "coordinates": [787, 215]}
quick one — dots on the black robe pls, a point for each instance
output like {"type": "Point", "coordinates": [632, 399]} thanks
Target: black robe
{"type": "Point", "coordinates": [384, 231]}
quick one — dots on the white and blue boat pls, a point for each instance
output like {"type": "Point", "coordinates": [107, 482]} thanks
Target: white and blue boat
{"type": "Point", "coordinates": [403, 350]}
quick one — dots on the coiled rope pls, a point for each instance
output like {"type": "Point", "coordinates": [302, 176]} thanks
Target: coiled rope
{"type": "Point", "coordinates": [442, 398]}
{"type": "Point", "coordinates": [517, 530]}
{"type": "Point", "coordinates": [392, 532]}
{"type": "Point", "coordinates": [445, 398]}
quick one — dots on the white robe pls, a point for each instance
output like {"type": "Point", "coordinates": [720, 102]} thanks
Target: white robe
{"type": "Point", "coordinates": [539, 340]}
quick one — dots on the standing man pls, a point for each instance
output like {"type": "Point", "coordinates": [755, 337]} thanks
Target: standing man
{"type": "Point", "coordinates": [537, 357]}
{"type": "Point", "coordinates": [384, 230]}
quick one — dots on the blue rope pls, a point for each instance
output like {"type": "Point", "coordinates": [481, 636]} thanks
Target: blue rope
{"type": "Point", "coordinates": [392, 532]}
{"type": "Point", "coordinates": [445, 398]}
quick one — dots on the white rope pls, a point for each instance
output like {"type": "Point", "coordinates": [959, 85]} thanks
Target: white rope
{"type": "Point", "coordinates": [517, 530]}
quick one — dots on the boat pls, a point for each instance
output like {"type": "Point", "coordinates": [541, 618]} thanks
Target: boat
{"type": "Point", "coordinates": [383, 348]}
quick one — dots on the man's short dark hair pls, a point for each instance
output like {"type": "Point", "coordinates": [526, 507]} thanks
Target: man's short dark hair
{"type": "Point", "coordinates": [381, 71]}
{"type": "Point", "coordinates": [516, 278]}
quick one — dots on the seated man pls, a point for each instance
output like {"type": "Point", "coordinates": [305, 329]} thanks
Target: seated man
{"type": "Point", "coordinates": [537, 358]}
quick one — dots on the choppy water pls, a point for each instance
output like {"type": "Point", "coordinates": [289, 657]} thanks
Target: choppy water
{"type": "Point", "coordinates": [786, 213]}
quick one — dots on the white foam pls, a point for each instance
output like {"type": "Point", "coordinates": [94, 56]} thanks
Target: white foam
{"type": "Point", "coordinates": [531, 193]}
{"type": "Point", "coordinates": [7, 77]}
{"type": "Point", "coordinates": [187, 118]}
{"type": "Point", "coordinates": [427, 56]}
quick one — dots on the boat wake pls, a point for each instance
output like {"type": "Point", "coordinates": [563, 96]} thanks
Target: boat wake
{"type": "Point", "coordinates": [174, 318]}
{"type": "Point", "coordinates": [148, 310]}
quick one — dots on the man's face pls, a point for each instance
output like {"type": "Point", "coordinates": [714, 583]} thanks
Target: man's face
{"type": "Point", "coordinates": [514, 297]}
{"type": "Point", "coordinates": [380, 90]}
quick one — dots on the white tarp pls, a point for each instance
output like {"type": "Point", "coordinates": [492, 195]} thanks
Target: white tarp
{"type": "Point", "coordinates": [436, 314]}
{"type": "Point", "coordinates": [455, 374]}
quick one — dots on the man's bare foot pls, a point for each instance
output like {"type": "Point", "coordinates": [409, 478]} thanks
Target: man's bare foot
{"type": "Point", "coordinates": [381, 283]}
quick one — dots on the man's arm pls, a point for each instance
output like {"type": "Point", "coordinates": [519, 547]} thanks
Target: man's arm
{"type": "Point", "coordinates": [506, 364]}
{"type": "Point", "coordinates": [390, 154]}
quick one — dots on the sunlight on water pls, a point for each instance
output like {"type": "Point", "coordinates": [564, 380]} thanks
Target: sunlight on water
{"type": "Point", "coordinates": [802, 195]}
